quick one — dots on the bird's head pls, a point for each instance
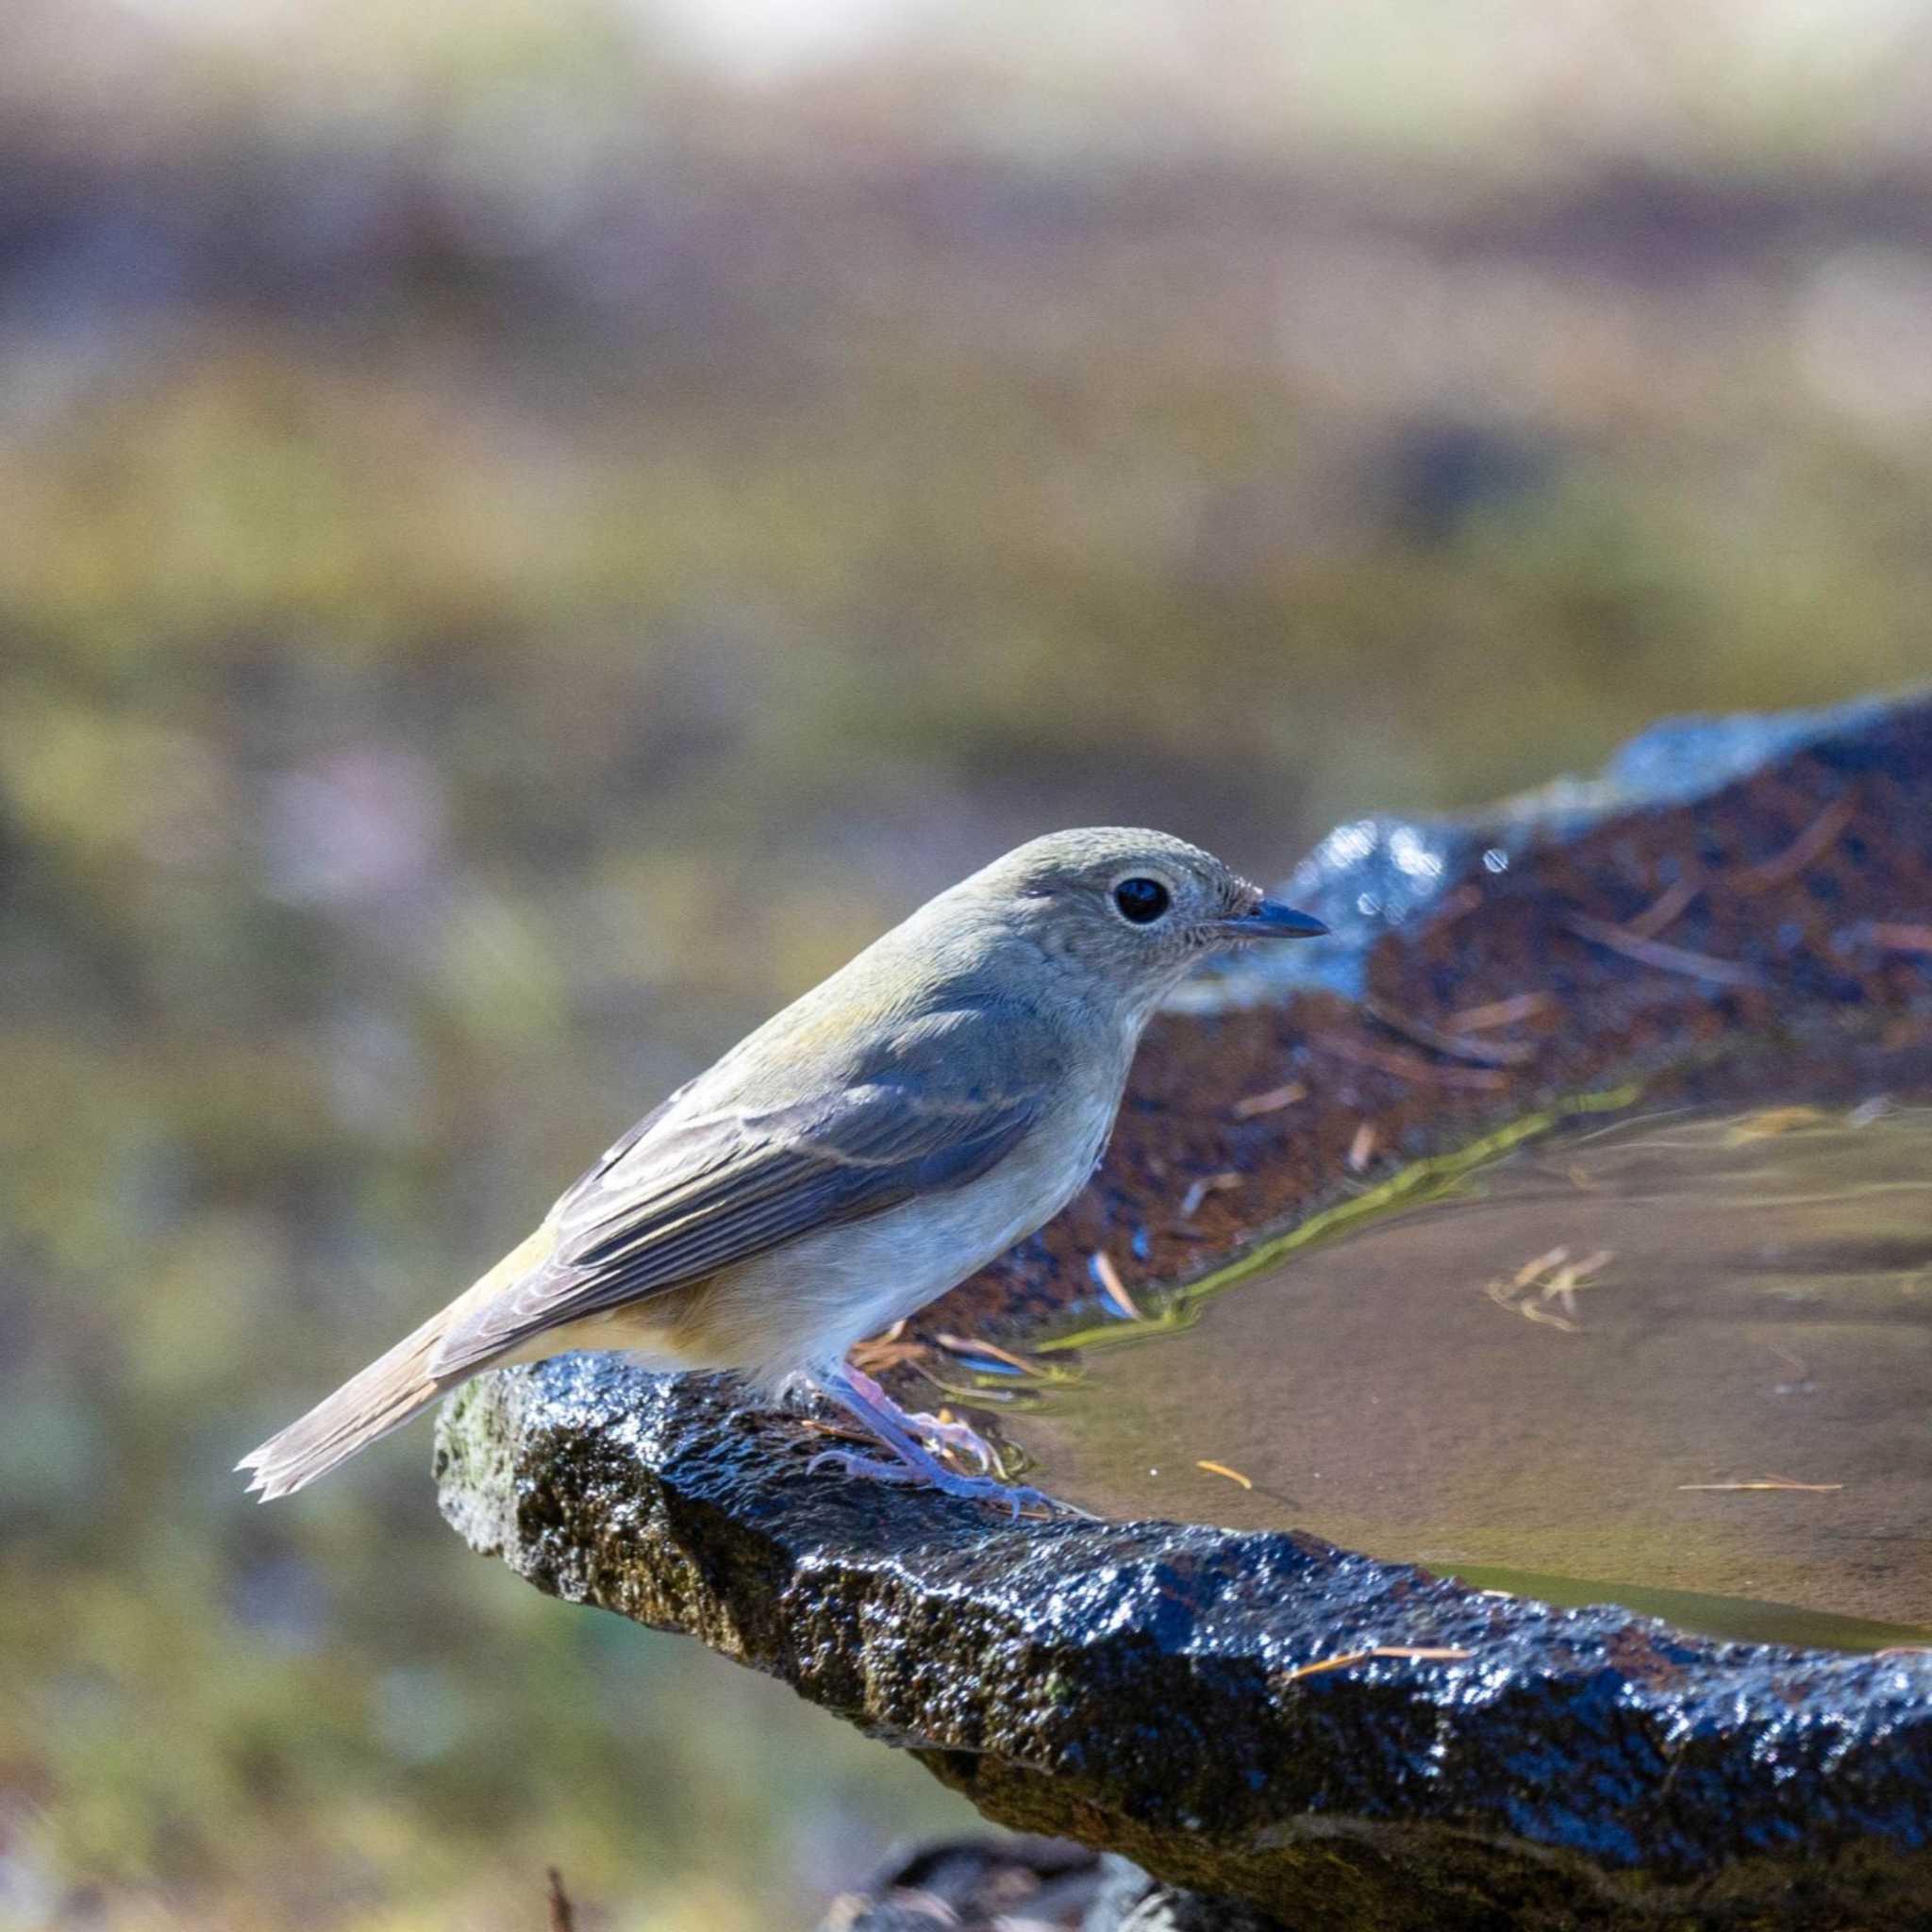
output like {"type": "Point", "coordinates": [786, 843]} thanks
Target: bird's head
{"type": "Point", "coordinates": [1129, 911]}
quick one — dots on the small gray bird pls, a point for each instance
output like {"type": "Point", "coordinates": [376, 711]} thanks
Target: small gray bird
{"type": "Point", "coordinates": [877, 1142]}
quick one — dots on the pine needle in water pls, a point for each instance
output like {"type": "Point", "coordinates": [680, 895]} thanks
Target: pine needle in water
{"type": "Point", "coordinates": [1273, 1100]}
{"type": "Point", "coordinates": [1900, 939]}
{"type": "Point", "coordinates": [1522, 1005]}
{"type": "Point", "coordinates": [1424, 1654]}
{"type": "Point", "coordinates": [1111, 1286]}
{"type": "Point", "coordinates": [1233, 1475]}
{"type": "Point", "coordinates": [1207, 1184]}
{"type": "Point", "coordinates": [1770, 1482]}
{"type": "Point", "coordinates": [989, 1351]}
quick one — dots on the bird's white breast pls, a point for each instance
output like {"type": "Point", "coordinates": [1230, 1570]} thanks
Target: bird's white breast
{"type": "Point", "coordinates": [810, 1301]}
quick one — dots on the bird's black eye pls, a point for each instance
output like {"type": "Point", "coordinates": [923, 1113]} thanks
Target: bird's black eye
{"type": "Point", "coordinates": [1141, 901]}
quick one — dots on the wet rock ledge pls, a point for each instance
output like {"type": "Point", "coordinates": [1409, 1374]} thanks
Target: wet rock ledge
{"type": "Point", "coordinates": [1737, 907]}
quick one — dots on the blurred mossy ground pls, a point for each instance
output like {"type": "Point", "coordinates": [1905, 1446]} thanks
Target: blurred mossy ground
{"type": "Point", "coordinates": [447, 691]}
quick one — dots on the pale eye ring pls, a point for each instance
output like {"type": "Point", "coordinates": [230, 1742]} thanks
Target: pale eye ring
{"type": "Point", "coordinates": [1142, 901]}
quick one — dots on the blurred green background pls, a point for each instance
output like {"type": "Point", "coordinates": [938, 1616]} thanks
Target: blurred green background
{"type": "Point", "coordinates": [529, 530]}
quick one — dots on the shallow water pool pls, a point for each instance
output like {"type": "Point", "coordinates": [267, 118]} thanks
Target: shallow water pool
{"type": "Point", "coordinates": [1682, 1361]}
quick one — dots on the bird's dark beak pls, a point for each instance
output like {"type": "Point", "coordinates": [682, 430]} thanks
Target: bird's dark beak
{"type": "Point", "coordinates": [1271, 920]}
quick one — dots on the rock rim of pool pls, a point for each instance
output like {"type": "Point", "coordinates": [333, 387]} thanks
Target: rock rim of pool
{"type": "Point", "coordinates": [1738, 908]}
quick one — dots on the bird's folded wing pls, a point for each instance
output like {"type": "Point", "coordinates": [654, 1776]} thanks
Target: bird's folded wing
{"type": "Point", "coordinates": [678, 1200]}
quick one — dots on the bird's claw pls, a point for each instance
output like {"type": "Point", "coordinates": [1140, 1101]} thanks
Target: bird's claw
{"type": "Point", "coordinates": [962, 1437]}
{"type": "Point", "coordinates": [851, 1463]}
{"type": "Point", "coordinates": [913, 1462]}
{"type": "Point", "coordinates": [1018, 1497]}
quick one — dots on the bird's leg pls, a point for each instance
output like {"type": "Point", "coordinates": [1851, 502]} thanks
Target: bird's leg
{"type": "Point", "coordinates": [962, 1437]}
{"type": "Point", "coordinates": [860, 1397]}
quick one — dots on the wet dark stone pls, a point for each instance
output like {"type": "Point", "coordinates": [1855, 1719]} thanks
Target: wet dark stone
{"type": "Point", "coordinates": [1146, 1688]}
{"type": "Point", "coordinates": [1028, 1885]}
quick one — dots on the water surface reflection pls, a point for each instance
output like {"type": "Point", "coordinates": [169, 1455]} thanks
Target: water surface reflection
{"type": "Point", "coordinates": [1681, 1361]}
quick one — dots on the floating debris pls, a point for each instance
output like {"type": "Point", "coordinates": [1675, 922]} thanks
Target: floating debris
{"type": "Point", "coordinates": [1530, 1270]}
{"type": "Point", "coordinates": [1521, 1005]}
{"type": "Point", "coordinates": [1900, 939]}
{"type": "Point", "coordinates": [1675, 901]}
{"type": "Point", "coordinates": [1665, 959]}
{"type": "Point", "coordinates": [1207, 1184]}
{"type": "Point", "coordinates": [1111, 1286]}
{"type": "Point", "coordinates": [1272, 1101]}
{"type": "Point", "coordinates": [1812, 843]}
{"type": "Point", "coordinates": [990, 1352]}
{"type": "Point", "coordinates": [1770, 1482]}
{"type": "Point", "coordinates": [1667, 908]}
{"type": "Point", "coordinates": [1771, 1120]}
{"type": "Point", "coordinates": [1535, 1312]}
{"type": "Point", "coordinates": [1409, 1066]}
{"type": "Point", "coordinates": [1490, 1053]}
{"type": "Point", "coordinates": [1361, 1150]}
{"type": "Point", "coordinates": [1565, 1280]}
{"type": "Point", "coordinates": [1233, 1475]}
{"type": "Point", "coordinates": [887, 1351]}
{"type": "Point", "coordinates": [1551, 1278]}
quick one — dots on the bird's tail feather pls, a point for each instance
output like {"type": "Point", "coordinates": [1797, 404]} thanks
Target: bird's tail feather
{"type": "Point", "coordinates": [390, 1390]}
{"type": "Point", "coordinates": [384, 1396]}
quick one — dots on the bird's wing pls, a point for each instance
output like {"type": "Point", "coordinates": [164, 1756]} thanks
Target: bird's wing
{"type": "Point", "coordinates": [680, 1198]}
